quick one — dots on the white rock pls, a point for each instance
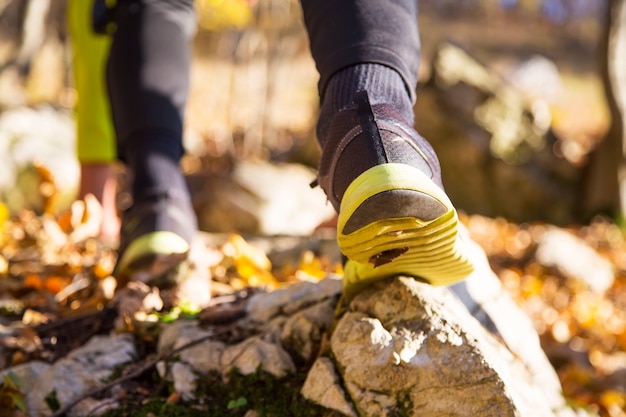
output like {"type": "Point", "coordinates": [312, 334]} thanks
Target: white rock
{"type": "Point", "coordinates": [256, 353]}
{"type": "Point", "coordinates": [575, 259]}
{"type": "Point", "coordinates": [263, 306]}
{"type": "Point", "coordinates": [302, 332]}
{"type": "Point", "coordinates": [402, 341]}
{"type": "Point", "coordinates": [184, 380]}
{"type": "Point", "coordinates": [45, 136]}
{"type": "Point", "coordinates": [323, 387]}
{"type": "Point", "coordinates": [201, 358]}
{"type": "Point", "coordinates": [286, 202]}
{"type": "Point", "coordinates": [486, 300]}
{"type": "Point", "coordinates": [84, 369]}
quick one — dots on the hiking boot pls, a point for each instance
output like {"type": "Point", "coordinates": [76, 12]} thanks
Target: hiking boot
{"type": "Point", "coordinates": [155, 236]}
{"type": "Point", "coordinates": [394, 216]}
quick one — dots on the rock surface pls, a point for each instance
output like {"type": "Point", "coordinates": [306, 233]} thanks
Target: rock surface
{"type": "Point", "coordinates": [402, 341]}
{"type": "Point", "coordinates": [82, 370]}
{"type": "Point", "coordinates": [402, 348]}
{"type": "Point", "coordinates": [261, 197]}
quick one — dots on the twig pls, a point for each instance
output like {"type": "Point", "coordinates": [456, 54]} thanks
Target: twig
{"type": "Point", "coordinates": [136, 373]}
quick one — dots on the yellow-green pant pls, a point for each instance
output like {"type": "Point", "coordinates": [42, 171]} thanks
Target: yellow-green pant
{"type": "Point", "coordinates": [95, 137]}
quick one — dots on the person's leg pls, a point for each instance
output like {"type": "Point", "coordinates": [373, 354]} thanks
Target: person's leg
{"type": "Point", "coordinates": [148, 79]}
{"type": "Point", "coordinates": [95, 139]}
{"type": "Point", "coordinates": [370, 45]}
{"type": "Point", "coordinates": [380, 175]}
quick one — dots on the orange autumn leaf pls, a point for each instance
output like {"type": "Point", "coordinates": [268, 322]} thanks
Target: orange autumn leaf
{"type": "Point", "coordinates": [64, 221]}
{"type": "Point", "coordinates": [613, 398]}
{"type": "Point", "coordinates": [531, 285]}
{"type": "Point", "coordinates": [4, 266]}
{"type": "Point", "coordinates": [243, 252]}
{"type": "Point", "coordinates": [621, 340]}
{"type": "Point", "coordinates": [32, 281]}
{"type": "Point", "coordinates": [105, 265]}
{"type": "Point", "coordinates": [585, 309]}
{"type": "Point", "coordinates": [4, 213]}
{"type": "Point", "coordinates": [311, 265]}
{"type": "Point", "coordinates": [254, 276]}
{"type": "Point", "coordinates": [102, 270]}
{"type": "Point", "coordinates": [252, 264]}
{"type": "Point", "coordinates": [54, 284]}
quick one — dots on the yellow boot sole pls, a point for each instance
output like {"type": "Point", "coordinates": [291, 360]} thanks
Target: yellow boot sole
{"type": "Point", "coordinates": [154, 253]}
{"type": "Point", "coordinates": [394, 220]}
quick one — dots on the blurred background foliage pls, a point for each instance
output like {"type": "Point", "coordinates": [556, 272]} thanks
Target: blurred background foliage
{"type": "Point", "coordinates": [252, 57]}
{"type": "Point", "coordinates": [254, 84]}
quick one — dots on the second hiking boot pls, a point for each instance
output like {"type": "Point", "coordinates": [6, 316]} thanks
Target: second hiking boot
{"type": "Point", "coordinates": [155, 236]}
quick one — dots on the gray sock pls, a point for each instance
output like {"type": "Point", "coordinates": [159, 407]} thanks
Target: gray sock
{"type": "Point", "coordinates": [383, 84]}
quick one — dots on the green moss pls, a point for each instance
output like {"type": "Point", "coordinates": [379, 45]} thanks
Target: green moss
{"type": "Point", "coordinates": [52, 401]}
{"type": "Point", "coordinates": [405, 405]}
{"type": "Point", "coordinates": [156, 407]}
{"type": "Point", "coordinates": [268, 395]}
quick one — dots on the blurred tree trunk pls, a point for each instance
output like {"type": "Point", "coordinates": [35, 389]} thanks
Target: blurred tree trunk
{"type": "Point", "coordinates": [605, 180]}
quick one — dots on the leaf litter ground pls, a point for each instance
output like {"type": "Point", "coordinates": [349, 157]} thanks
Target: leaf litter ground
{"type": "Point", "coordinates": [56, 291]}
